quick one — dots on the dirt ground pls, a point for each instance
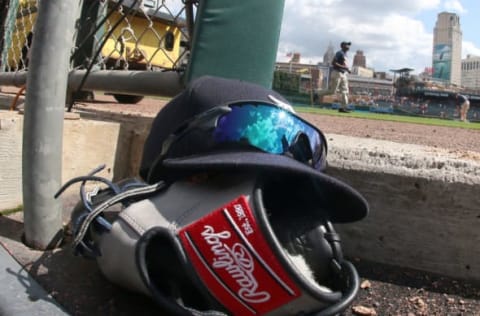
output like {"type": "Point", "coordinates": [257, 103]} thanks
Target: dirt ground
{"type": "Point", "coordinates": [77, 284]}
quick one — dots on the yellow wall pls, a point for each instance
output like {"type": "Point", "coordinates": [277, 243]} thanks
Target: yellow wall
{"type": "Point", "coordinates": [137, 34]}
{"type": "Point", "coordinates": [143, 39]}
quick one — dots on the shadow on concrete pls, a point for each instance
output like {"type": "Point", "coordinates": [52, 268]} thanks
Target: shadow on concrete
{"type": "Point", "coordinates": [73, 282]}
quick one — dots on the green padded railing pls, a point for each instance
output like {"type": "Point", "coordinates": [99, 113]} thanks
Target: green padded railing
{"type": "Point", "coordinates": [236, 39]}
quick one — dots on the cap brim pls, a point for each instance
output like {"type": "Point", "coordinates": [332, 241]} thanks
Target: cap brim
{"type": "Point", "coordinates": [342, 202]}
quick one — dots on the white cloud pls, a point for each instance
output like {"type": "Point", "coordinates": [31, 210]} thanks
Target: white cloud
{"type": "Point", "coordinates": [454, 6]}
{"type": "Point", "coordinates": [468, 48]}
{"type": "Point", "coordinates": [386, 31]}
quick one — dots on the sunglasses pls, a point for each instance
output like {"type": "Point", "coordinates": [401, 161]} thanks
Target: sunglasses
{"type": "Point", "coordinates": [260, 125]}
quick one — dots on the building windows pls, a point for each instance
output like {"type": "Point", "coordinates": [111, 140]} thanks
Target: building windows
{"type": "Point", "coordinates": [471, 72]}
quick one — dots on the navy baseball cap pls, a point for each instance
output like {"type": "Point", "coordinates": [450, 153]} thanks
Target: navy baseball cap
{"type": "Point", "coordinates": [343, 203]}
{"type": "Point", "coordinates": [345, 43]}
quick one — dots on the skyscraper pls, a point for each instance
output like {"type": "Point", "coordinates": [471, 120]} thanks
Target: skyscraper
{"type": "Point", "coordinates": [359, 60]}
{"type": "Point", "coordinates": [447, 49]}
{"type": "Point", "coordinates": [329, 54]}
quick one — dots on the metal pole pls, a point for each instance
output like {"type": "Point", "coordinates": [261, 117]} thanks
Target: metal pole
{"type": "Point", "coordinates": [17, 78]}
{"type": "Point", "coordinates": [85, 42]}
{"type": "Point", "coordinates": [88, 19]}
{"type": "Point", "coordinates": [43, 122]}
{"type": "Point", "coordinates": [137, 82]}
{"type": "Point", "coordinates": [128, 82]}
{"type": "Point", "coordinates": [311, 87]}
{"type": "Point", "coordinates": [190, 21]}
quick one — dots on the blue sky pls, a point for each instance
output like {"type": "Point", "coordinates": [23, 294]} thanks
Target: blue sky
{"type": "Point", "coordinates": [392, 34]}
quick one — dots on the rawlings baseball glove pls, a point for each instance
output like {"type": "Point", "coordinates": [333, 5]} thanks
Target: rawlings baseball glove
{"type": "Point", "coordinates": [243, 244]}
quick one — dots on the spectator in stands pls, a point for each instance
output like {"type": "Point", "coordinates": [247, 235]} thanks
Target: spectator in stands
{"type": "Point", "coordinates": [338, 82]}
{"type": "Point", "coordinates": [464, 106]}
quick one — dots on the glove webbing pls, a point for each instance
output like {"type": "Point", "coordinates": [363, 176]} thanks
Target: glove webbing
{"type": "Point", "coordinates": [110, 202]}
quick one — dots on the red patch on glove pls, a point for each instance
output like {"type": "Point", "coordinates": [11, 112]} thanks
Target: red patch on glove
{"type": "Point", "coordinates": [234, 260]}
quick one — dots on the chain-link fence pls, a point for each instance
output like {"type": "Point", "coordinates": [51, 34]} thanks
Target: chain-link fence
{"type": "Point", "coordinates": [16, 37]}
{"type": "Point", "coordinates": [142, 34]}
{"type": "Point", "coordinates": [120, 35]}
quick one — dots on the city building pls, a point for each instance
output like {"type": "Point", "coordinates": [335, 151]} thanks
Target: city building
{"type": "Point", "coordinates": [316, 77]}
{"type": "Point", "coordinates": [426, 74]}
{"type": "Point", "coordinates": [370, 86]}
{"type": "Point", "coordinates": [359, 60]}
{"type": "Point", "coordinates": [471, 72]}
{"type": "Point", "coordinates": [447, 49]}
{"type": "Point", "coordinates": [329, 54]}
{"type": "Point", "coordinates": [294, 57]}
{"type": "Point", "coordinates": [308, 74]}
{"type": "Point", "coordinates": [382, 75]}
{"type": "Point", "coordinates": [363, 72]}
{"type": "Point", "coordinates": [311, 78]}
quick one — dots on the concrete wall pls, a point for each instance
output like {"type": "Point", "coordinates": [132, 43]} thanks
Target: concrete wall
{"type": "Point", "coordinates": [425, 205]}
{"type": "Point", "coordinates": [132, 133]}
{"type": "Point", "coordinates": [425, 202]}
{"type": "Point", "coordinates": [10, 160]}
{"type": "Point", "coordinates": [86, 145]}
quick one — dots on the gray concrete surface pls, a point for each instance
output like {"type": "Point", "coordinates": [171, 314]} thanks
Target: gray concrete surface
{"type": "Point", "coordinates": [387, 157]}
{"type": "Point", "coordinates": [425, 205]}
{"type": "Point", "coordinates": [20, 294]}
{"type": "Point", "coordinates": [86, 145]}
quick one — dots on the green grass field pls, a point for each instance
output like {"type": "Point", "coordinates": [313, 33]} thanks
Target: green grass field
{"type": "Point", "coordinates": [391, 117]}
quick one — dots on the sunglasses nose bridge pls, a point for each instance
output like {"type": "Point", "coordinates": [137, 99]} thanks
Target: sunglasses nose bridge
{"type": "Point", "coordinates": [285, 144]}
{"type": "Point", "coordinates": [300, 147]}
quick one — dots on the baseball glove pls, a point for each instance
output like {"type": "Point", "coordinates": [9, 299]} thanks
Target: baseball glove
{"type": "Point", "coordinates": [238, 243]}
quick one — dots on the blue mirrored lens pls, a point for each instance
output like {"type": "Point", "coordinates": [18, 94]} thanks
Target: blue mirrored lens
{"type": "Point", "coordinates": [268, 128]}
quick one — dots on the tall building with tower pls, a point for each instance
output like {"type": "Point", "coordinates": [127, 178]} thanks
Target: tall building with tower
{"type": "Point", "coordinates": [447, 49]}
{"type": "Point", "coordinates": [359, 60]}
{"type": "Point", "coordinates": [329, 54]}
